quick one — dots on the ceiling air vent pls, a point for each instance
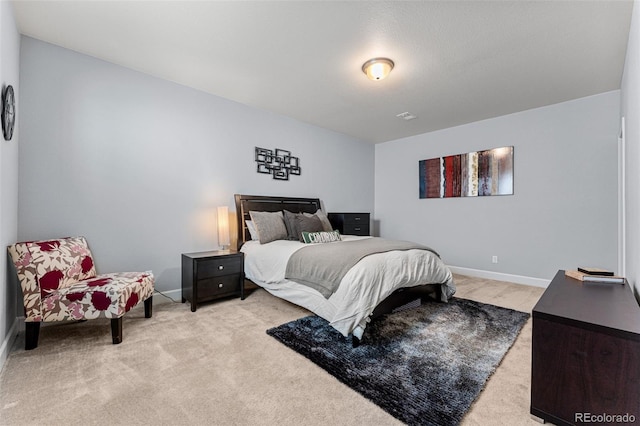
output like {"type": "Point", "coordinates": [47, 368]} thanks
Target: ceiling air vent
{"type": "Point", "coordinates": [406, 116]}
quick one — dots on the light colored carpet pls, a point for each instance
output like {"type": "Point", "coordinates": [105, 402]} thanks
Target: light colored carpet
{"type": "Point", "coordinates": [218, 366]}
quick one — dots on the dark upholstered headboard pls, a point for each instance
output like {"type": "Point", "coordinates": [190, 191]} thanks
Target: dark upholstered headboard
{"type": "Point", "coordinates": [247, 203]}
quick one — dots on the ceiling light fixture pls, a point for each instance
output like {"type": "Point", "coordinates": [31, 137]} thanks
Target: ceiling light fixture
{"type": "Point", "coordinates": [377, 68]}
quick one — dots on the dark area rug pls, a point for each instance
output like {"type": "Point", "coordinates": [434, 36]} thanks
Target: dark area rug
{"type": "Point", "coordinates": [424, 366]}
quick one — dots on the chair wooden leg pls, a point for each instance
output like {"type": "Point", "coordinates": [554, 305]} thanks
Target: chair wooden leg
{"type": "Point", "coordinates": [116, 330]}
{"type": "Point", "coordinates": [32, 332]}
{"type": "Point", "coordinates": [148, 307]}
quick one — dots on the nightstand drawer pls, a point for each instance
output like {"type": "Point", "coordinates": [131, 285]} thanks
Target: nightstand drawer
{"type": "Point", "coordinates": [219, 267]}
{"type": "Point", "coordinates": [356, 219]}
{"type": "Point", "coordinates": [355, 229]}
{"type": "Point", "coordinates": [218, 286]}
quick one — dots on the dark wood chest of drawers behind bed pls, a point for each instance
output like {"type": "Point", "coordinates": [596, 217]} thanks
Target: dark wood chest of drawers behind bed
{"type": "Point", "coordinates": [350, 223]}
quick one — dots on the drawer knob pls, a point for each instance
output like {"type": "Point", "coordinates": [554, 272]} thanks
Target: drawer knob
{"type": "Point", "coordinates": [220, 267]}
{"type": "Point", "coordinates": [220, 285]}
{"type": "Point", "coordinates": [357, 229]}
{"type": "Point", "coordinates": [356, 218]}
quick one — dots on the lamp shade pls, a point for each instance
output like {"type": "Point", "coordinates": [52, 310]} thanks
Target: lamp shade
{"type": "Point", "coordinates": [223, 227]}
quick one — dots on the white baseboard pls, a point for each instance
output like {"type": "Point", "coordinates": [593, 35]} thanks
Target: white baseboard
{"type": "Point", "coordinates": [8, 342]}
{"type": "Point", "coordinates": [499, 276]}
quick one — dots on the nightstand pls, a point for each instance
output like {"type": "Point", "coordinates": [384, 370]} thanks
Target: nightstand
{"type": "Point", "coordinates": [212, 275]}
{"type": "Point", "coordinates": [350, 223]}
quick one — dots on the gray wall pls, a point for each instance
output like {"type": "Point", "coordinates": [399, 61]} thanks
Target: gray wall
{"type": "Point", "coordinates": [139, 165]}
{"type": "Point", "coordinates": [631, 112]}
{"type": "Point", "coordinates": [564, 209]}
{"type": "Point", "coordinates": [9, 74]}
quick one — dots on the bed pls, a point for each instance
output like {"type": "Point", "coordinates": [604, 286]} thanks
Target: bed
{"type": "Point", "coordinates": [377, 283]}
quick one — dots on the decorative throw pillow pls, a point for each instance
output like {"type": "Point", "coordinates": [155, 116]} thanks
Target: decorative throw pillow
{"type": "Point", "coordinates": [270, 226]}
{"type": "Point", "coordinates": [290, 223]}
{"type": "Point", "coordinates": [326, 225]}
{"type": "Point", "coordinates": [321, 237]}
{"type": "Point", "coordinates": [307, 224]}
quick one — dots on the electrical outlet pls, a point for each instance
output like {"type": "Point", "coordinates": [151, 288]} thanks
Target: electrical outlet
{"type": "Point", "coordinates": [494, 259]}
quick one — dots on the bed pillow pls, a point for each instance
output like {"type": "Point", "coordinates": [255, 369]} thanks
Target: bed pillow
{"type": "Point", "coordinates": [252, 230]}
{"type": "Point", "coordinates": [320, 237]}
{"type": "Point", "coordinates": [307, 224]}
{"type": "Point", "coordinates": [269, 225]}
{"type": "Point", "coordinates": [290, 223]}
{"type": "Point", "coordinates": [326, 225]}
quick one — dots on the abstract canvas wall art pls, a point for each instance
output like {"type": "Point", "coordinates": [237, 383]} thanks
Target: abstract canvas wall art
{"type": "Point", "coordinates": [481, 173]}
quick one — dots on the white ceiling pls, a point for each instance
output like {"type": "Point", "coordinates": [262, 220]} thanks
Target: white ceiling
{"type": "Point", "coordinates": [456, 61]}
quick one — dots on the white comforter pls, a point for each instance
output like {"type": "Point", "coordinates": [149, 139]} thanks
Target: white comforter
{"type": "Point", "coordinates": [369, 282]}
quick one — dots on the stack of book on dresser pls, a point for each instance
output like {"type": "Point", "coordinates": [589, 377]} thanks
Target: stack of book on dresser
{"type": "Point", "coordinates": [594, 275]}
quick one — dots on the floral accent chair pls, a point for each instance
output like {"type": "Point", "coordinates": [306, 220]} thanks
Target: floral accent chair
{"type": "Point", "coordinates": [59, 282]}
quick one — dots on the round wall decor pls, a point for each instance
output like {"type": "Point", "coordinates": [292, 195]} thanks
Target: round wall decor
{"type": "Point", "coordinates": [8, 112]}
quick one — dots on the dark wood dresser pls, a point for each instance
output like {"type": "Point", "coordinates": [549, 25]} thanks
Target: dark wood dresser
{"type": "Point", "coordinates": [350, 223]}
{"type": "Point", "coordinates": [585, 353]}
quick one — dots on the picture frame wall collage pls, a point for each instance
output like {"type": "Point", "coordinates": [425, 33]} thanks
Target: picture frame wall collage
{"type": "Point", "coordinates": [279, 163]}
